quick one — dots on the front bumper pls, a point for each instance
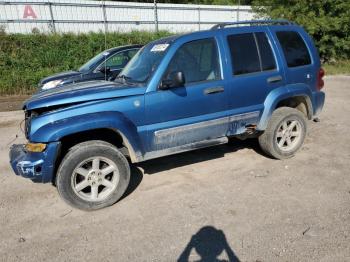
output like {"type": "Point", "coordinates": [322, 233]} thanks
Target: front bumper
{"type": "Point", "coordinates": [39, 167]}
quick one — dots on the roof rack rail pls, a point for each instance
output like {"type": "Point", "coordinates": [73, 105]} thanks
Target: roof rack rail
{"type": "Point", "coordinates": [253, 22]}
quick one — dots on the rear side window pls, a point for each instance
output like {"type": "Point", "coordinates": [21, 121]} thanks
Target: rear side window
{"type": "Point", "coordinates": [250, 53]}
{"type": "Point", "coordinates": [267, 58]}
{"type": "Point", "coordinates": [294, 48]}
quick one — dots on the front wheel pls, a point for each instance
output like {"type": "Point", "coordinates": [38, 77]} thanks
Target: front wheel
{"type": "Point", "coordinates": [93, 175]}
{"type": "Point", "coordinates": [284, 134]}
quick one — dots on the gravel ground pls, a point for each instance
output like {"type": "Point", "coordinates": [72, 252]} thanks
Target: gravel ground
{"type": "Point", "coordinates": [12, 103]}
{"type": "Point", "coordinates": [229, 202]}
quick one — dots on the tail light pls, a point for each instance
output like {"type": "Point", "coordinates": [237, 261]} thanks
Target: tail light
{"type": "Point", "coordinates": [320, 75]}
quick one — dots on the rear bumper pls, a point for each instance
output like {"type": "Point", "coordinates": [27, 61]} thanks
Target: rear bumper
{"type": "Point", "coordinates": [318, 102]}
{"type": "Point", "coordinates": [39, 167]}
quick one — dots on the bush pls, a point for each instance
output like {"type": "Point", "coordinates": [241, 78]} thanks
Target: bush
{"type": "Point", "coordinates": [26, 58]}
{"type": "Point", "coordinates": [327, 21]}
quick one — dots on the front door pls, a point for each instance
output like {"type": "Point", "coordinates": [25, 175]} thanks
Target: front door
{"type": "Point", "coordinates": [195, 112]}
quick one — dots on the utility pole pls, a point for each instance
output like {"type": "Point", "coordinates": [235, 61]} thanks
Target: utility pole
{"type": "Point", "coordinates": [239, 4]}
{"type": "Point", "coordinates": [155, 15]}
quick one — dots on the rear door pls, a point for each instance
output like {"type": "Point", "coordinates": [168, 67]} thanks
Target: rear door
{"type": "Point", "coordinates": [253, 74]}
{"type": "Point", "coordinates": [297, 60]}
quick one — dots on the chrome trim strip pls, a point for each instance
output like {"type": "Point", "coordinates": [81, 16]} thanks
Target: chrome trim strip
{"type": "Point", "coordinates": [173, 130]}
{"type": "Point", "coordinates": [184, 148]}
{"type": "Point", "coordinates": [244, 116]}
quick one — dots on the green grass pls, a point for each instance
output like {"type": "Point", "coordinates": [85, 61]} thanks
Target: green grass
{"type": "Point", "coordinates": [25, 59]}
{"type": "Point", "coordinates": [341, 67]}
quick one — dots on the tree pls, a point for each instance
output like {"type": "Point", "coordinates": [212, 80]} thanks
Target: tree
{"type": "Point", "coordinates": [327, 21]}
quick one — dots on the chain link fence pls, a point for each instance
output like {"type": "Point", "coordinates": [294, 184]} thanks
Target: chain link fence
{"type": "Point", "coordinates": [78, 16]}
{"type": "Point", "coordinates": [25, 59]}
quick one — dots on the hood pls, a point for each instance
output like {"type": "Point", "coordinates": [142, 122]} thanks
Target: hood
{"type": "Point", "coordinates": [81, 92]}
{"type": "Point", "coordinates": [62, 75]}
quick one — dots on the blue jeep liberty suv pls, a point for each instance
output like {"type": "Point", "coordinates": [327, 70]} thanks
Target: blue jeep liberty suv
{"type": "Point", "coordinates": [258, 79]}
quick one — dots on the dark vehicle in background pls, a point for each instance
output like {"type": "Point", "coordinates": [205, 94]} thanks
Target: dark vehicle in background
{"type": "Point", "coordinates": [104, 66]}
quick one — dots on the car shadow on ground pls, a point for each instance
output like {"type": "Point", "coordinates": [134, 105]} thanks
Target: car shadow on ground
{"type": "Point", "coordinates": [174, 161]}
{"type": "Point", "coordinates": [136, 177]}
{"type": "Point", "coordinates": [209, 243]}
{"type": "Point", "coordinates": [154, 166]}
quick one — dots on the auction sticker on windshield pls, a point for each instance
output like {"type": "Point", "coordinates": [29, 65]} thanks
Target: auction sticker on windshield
{"type": "Point", "coordinates": [159, 47]}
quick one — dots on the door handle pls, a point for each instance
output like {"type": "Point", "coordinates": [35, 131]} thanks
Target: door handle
{"type": "Point", "coordinates": [274, 79]}
{"type": "Point", "coordinates": [213, 90]}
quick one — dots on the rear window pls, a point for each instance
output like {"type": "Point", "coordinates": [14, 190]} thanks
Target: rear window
{"type": "Point", "coordinates": [250, 53]}
{"type": "Point", "coordinates": [294, 48]}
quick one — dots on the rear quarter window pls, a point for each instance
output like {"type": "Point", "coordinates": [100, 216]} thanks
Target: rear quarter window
{"type": "Point", "coordinates": [294, 48]}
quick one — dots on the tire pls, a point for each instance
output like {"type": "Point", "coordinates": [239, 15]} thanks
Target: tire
{"type": "Point", "coordinates": [83, 180]}
{"type": "Point", "coordinates": [285, 133]}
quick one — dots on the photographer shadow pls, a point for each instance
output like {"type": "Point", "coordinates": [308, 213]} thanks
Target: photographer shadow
{"type": "Point", "coordinates": [209, 243]}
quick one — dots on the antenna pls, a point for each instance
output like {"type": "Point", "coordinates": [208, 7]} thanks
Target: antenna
{"type": "Point", "coordinates": [105, 63]}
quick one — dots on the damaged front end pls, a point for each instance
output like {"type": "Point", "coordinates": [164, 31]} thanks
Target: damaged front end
{"type": "Point", "coordinates": [46, 113]}
{"type": "Point", "coordinates": [35, 161]}
{"type": "Point", "coordinates": [37, 166]}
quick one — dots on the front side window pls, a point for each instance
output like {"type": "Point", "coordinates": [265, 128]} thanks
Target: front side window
{"type": "Point", "coordinates": [93, 62]}
{"type": "Point", "coordinates": [130, 53]}
{"type": "Point", "coordinates": [198, 60]}
{"type": "Point", "coordinates": [115, 61]}
{"type": "Point", "coordinates": [250, 53]}
{"type": "Point", "coordinates": [120, 59]}
{"type": "Point", "coordinates": [294, 48]}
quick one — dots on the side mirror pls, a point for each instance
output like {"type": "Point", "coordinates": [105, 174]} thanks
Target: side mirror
{"type": "Point", "coordinates": [174, 79]}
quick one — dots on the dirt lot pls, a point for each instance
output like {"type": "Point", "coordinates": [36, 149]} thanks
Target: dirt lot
{"type": "Point", "coordinates": [232, 201]}
{"type": "Point", "coordinates": [11, 103]}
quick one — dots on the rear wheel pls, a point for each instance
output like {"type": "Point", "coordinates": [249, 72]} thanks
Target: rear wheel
{"type": "Point", "coordinates": [284, 134]}
{"type": "Point", "coordinates": [93, 175]}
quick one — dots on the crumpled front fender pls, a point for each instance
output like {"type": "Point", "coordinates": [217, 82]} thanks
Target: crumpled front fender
{"type": "Point", "coordinates": [56, 130]}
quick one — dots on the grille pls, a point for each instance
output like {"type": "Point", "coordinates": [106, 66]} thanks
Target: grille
{"type": "Point", "coordinates": [27, 118]}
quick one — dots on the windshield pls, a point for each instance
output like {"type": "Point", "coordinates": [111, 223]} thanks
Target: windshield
{"type": "Point", "coordinates": [93, 62]}
{"type": "Point", "coordinates": [144, 63]}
